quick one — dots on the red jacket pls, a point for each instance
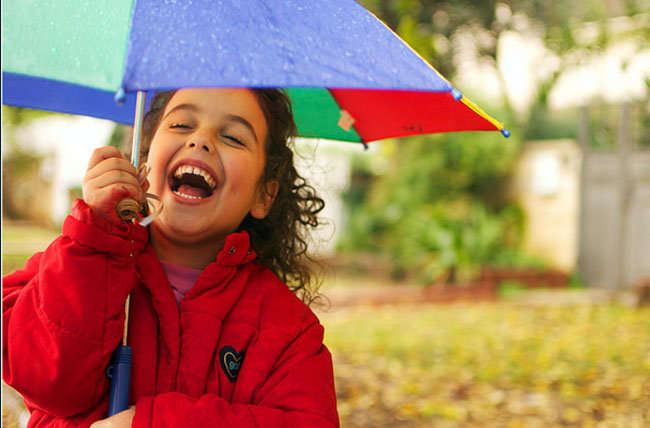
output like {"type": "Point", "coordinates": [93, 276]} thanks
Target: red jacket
{"type": "Point", "coordinates": [242, 350]}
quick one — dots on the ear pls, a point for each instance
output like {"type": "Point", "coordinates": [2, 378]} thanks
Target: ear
{"type": "Point", "coordinates": [265, 197]}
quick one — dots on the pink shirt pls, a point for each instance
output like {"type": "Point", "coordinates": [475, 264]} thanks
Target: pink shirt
{"type": "Point", "coordinates": [181, 278]}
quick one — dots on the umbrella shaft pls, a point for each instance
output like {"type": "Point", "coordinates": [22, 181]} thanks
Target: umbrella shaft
{"type": "Point", "coordinates": [137, 128]}
{"type": "Point", "coordinates": [127, 306]}
{"type": "Point", "coordinates": [135, 160]}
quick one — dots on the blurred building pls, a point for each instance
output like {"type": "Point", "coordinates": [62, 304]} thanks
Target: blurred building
{"type": "Point", "coordinates": [588, 208]}
{"type": "Point", "coordinates": [546, 183]}
{"type": "Point", "coordinates": [614, 247]}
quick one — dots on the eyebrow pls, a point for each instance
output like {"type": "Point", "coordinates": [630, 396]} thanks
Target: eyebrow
{"type": "Point", "coordinates": [190, 107]}
{"type": "Point", "coordinates": [229, 117]}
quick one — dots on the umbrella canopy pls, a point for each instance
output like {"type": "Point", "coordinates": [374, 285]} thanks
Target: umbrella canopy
{"type": "Point", "coordinates": [348, 75]}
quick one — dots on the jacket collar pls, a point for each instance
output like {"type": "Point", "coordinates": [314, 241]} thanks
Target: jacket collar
{"type": "Point", "coordinates": [236, 250]}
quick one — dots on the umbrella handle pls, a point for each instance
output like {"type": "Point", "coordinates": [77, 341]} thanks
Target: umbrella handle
{"type": "Point", "coordinates": [119, 371]}
{"type": "Point", "coordinates": [128, 209]}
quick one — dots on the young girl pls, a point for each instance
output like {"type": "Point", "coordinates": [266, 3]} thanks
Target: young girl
{"type": "Point", "coordinates": [218, 337]}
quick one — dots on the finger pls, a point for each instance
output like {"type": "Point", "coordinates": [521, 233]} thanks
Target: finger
{"type": "Point", "coordinates": [143, 171]}
{"type": "Point", "coordinates": [107, 200]}
{"type": "Point", "coordinates": [125, 191]}
{"type": "Point", "coordinates": [111, 193]}
{"type": "Point", "coordinates": [110, 164]}
{"type": "Point", "coordinates": [112, 169]}
{"type": "Point", "coordinates": [103, 153]}
{"type": "Point", "coordinates": [113, 176]}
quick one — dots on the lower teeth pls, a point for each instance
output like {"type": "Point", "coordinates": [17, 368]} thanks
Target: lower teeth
{"type": "Point", "coordinates": [183, 195]}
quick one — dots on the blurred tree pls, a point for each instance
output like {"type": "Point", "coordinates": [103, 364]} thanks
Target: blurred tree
{"type": "Point", "coordinates": [440, 207]}
{"type": "Point", "coordinates": [20, 166]}
{"type": "Point", "coordinates": [121, 138]}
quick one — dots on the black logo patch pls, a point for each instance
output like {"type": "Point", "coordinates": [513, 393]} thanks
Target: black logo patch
{"type": "Point", "coordinates": [231, 361]}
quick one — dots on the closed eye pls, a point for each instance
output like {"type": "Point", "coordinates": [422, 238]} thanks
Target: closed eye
{"type": "Point", "coordinates": [179, 125]}
{"type": "Point", "coordinates": [234, 140]}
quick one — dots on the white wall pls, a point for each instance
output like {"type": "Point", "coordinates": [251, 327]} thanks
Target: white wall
{"type": "Point", "coordinates": [69, 140]}
{"type": "Point", "coordinates": [326, 166]}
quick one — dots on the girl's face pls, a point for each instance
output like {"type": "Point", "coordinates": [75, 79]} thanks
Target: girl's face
{"type": "Point", "coordinates": [207, 157]}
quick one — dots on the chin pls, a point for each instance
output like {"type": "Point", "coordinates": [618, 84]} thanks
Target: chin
{"type": "Point", "coordinates": [185, 233]}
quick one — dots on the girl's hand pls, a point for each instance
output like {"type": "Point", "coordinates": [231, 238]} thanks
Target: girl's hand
{"type": "Point", "coordinates": [109, 179]}
{"type": "Point", "coordinates": [119, 420]}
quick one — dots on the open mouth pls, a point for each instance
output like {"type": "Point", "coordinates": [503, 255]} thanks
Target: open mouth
{"type": "Point", "coordinates": [192, 182]}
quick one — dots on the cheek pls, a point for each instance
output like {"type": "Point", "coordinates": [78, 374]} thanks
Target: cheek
{"type": "Point", "coordinates": [248, 174]}
{"type": "Point", "coordinates": [157, 162]}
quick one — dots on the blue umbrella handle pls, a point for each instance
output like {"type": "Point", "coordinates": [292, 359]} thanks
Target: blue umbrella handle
{"type": "Point", "coordinates": [119, 371]}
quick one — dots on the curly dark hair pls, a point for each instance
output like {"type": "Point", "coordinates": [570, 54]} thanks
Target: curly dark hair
{"type": "Point", "coordinates": [279, 239]}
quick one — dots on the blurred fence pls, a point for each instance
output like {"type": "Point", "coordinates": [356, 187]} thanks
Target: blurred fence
{"type": "Point", "coordinates": [614, 243]}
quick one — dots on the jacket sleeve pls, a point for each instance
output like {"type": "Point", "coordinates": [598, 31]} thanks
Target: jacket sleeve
{"type": "Point", "coordinates": [40, 419]}
{"type": "Point", "coordinates": [299, 392]}
{"type": "Point", "coordinates": [63, 314]}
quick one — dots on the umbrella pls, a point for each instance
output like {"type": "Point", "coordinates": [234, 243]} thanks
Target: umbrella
{"type": "Point", "coordinates": [349, 77]}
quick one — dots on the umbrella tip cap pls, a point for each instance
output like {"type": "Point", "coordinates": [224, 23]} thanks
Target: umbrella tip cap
{"type": "Point", "coordinates": [120, 96]}
{"type": "Point", "coordinates": [456, 94]}
{"type": "Point", "coordinates": [505, 132]}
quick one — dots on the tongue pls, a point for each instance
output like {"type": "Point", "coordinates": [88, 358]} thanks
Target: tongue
{"type": "Point", "coordinates": [192, 191]}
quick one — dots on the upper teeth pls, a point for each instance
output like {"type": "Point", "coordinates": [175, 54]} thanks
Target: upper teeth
{"type": "Point", "coordinates": [187, 169]}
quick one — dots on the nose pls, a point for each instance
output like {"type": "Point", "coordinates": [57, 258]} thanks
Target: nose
{"type": "Point", "coordinates": [197, 142]}
{"type": "Point", "coordinates": [203, 146]}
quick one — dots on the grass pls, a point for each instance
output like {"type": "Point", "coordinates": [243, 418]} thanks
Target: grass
{"type": "Point", "coordinates": [13, 262]}
{"type": "Point", "coordinates": [20, 241]}
{"type": "Point", "coordinates": [491, 365]}
{"type": "Point", "coordinates": [12, 232]}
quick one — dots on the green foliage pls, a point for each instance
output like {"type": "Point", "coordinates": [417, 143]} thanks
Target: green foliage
{"type": "Point", "coordinates": [576, 281]}
{"type": "Point", "coordinates": [440, 207]}
{"type": "Point", "coordinates": [511, 289]}
{"type": "Point", "coordinates": [117, 136]}
{"type": "Point", "coordinates": [603, 125]}
{"type": "Point", "coordinates": [511, 257]}
{"type": "Point", "coordinates": [549, 125]}
{"type": "Point", "coordinates": [16, 116]}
